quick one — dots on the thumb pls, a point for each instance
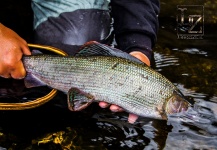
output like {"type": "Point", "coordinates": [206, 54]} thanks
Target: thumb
{"type": "Point", "coordinates": [25, 49]}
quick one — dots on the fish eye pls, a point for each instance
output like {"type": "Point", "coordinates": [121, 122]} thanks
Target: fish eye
{"type": "Point", "coordinates": [173, 99]}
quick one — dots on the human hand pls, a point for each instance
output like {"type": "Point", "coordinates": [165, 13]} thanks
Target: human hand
{"type": "Point", "coordinates": [132, 117]}
{"type": "Point", "coordinates": [12, 48]}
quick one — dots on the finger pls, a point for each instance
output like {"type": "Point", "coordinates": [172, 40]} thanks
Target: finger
{"type": "Point", "coordinates": [19, 72]}
{"type": "Point", "coordinates": [6, 75]}
{"type": "Point", "coordinates": [104, 104]}
{"type": "Point", "coordinates": [132, 118]}
{"type": "Point", "coordinates": [116, 108]}
{"type": "Point", "coordinates": [24, 47]}
{"type": "Point", "coordinates": [141, 57]}
{"type": "Point", "coordinates": [25, 50]}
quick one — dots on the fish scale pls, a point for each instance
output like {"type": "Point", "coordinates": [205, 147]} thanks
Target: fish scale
{"type": "Point", "coordinates": [133, 86]}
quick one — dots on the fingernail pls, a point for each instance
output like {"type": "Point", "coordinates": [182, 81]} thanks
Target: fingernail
{"type": "Point", "coordinates": [132, 118]}
{"type": "Point", "coordinates": [21, 78]}
{"type": "Point", "coordinates": [115, 108]}
{"type": "Point", "coordinates": [103, 105]}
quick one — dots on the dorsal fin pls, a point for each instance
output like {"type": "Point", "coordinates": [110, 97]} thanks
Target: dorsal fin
{"type": "Point", "coordinates": [94, 48]}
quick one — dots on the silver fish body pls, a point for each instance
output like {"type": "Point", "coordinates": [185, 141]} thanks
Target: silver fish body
{"type": "Point", "coordinates": [133, 86]}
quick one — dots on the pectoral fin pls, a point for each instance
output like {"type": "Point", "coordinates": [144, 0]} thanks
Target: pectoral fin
{"type": "Point", "coordinates": [32, 81]}
{"type": "Point", "coordinates": [78, 100]}
{"type": "Point", "coordinates": [161, 112]}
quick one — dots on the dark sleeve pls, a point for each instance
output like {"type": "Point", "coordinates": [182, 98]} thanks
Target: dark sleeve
{"type": "Point", "coordinates": [135, 24]}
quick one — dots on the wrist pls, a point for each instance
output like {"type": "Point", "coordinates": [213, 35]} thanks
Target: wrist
{"type": "Point", "coordinates": [141, 57]}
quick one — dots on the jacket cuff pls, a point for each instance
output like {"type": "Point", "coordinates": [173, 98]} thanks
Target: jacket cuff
{"type": "Point", "coordinates": [129, 42]}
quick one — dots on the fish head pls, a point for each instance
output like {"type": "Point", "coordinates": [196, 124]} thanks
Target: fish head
{"type": "Point", "coordinates": [176, 103]}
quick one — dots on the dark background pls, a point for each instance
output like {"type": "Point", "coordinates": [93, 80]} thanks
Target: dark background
{"type": "Point", "coordinates": [18, 15]}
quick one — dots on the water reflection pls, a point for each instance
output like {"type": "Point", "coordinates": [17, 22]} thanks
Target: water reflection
{"type": "Point", "coordinates": [164, 60]}
{"type": "Point", "coordinates": [198, 128]}
{"type": "Point", "coordinates": [95, 128]}
{"type": "Point", "coordinates": [192, 51]}
{"type": "Point", "coordinates": [193, 70]}
{"type": "Point", "coordinates": [196, 134]}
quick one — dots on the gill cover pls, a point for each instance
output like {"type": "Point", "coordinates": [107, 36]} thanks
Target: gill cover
{"type": "Point", "coordinates": [176, 103]}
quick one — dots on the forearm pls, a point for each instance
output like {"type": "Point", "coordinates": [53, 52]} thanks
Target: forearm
{"type": "Point", "coordinates": [135, 24]}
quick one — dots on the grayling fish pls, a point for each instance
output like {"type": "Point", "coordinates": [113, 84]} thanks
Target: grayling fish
{"type": "Point", "coordinates": [114, 77]}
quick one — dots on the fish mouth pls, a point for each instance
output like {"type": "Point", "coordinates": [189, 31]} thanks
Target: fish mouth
{"type": "Point", "coordinates": [183, 106]}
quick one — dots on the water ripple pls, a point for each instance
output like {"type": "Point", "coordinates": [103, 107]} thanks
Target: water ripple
{"type": "Point", "coordinates": [192, 51]}
{"type": "Point", "coordinates": [164, 60]}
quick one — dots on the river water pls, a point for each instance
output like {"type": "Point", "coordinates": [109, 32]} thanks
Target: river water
{"type": "Point", "coordinates": [190, 64]}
